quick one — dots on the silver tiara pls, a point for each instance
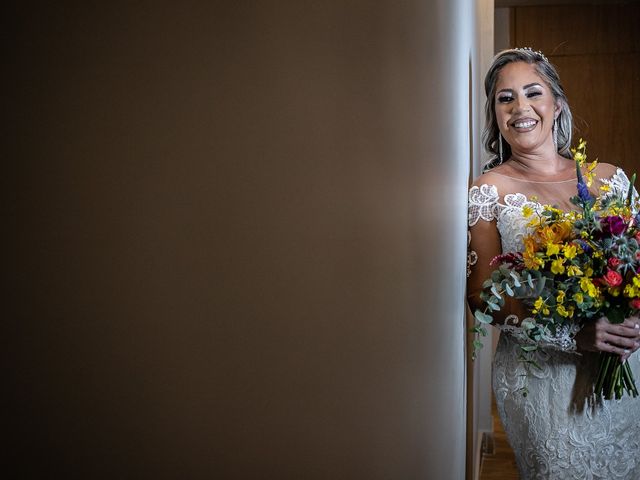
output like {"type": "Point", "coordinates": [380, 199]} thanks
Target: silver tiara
{"type": "Point", "coordinates": [537, 52]}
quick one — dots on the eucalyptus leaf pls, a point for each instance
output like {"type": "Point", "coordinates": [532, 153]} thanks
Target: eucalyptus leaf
{"type": "Point", "coordinates": [483, 317]}
{"type": "Point", "coordinates": [508, 289]}
{"type": "Point", "coordinates": [527, 324]}
{"type": "Point", "coordinates": [529, 348]}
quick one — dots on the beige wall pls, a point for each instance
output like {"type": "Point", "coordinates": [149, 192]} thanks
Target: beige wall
{"type": "Point", "coordinates": [238, 239]}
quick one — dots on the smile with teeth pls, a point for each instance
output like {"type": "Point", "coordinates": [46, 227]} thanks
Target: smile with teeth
{"type": "Point", "coordinates": [524, 123]}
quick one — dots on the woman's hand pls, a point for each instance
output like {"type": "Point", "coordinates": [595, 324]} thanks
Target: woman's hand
{"type": "Point", "coordinates": [602, 336]}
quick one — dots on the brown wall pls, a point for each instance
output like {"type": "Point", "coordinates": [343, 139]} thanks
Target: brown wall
{"type": "Point", "coordinates": [596, 49]}
{"type": "Point", "coordinates": [223, 259]}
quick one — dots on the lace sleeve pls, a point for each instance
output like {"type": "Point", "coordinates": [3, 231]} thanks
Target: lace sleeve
{"type": "Point", "coordinates": [619, 186]}
{"type": "Point", "coordinates": [483, 201]}
{"type": "Point", "coordinates": [563, 339]}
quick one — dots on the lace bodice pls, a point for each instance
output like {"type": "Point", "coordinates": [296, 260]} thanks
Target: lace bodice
{"type": "Point", "coordinates": [485, 204]}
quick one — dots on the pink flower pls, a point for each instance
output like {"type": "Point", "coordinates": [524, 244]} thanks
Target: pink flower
{"type": "Point", "coordinates": [635, 303]}
{"type": "Point", "coordinates": [637, 235]}
{"type": "Point", "coordinates": [614, 262]}
{"type": "Point", "coordinates": [612, 279]}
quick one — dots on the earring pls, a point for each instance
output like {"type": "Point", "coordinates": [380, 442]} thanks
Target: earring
{"type": "Point", "coordinates": [555, 133]}
{"type": "Point", "coordinates": [500, 146]}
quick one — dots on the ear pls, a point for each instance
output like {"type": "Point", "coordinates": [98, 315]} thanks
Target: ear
{"type": "Point", "coordinates": [558, 109]}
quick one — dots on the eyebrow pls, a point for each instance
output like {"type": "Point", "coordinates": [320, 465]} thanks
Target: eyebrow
{"type": "Point", "coordinates": [529, 85]}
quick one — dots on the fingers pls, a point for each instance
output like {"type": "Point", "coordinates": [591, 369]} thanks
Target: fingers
{"type": "Point", "coordinates": [623, 353]}
{"type": "Point", "coordinates": [632, 323]}
{"type": "Point", "coordinates": [624, 330]}
{"type": "Point", "coordinates": [621, 339]}
{"type": "Point", "coordinates": [616, 344]}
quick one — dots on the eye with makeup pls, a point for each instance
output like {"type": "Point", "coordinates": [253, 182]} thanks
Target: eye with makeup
{"type": "Point", "coordinates": [533, 93]}
{"type": "Point", "coordinates": [505, 98]}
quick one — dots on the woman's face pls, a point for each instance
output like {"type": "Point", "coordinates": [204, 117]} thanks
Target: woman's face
{"type": "Point", "coordinates": [525, 107]}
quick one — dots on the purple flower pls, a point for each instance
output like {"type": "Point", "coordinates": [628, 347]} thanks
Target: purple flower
{"type": "Point", "coordinates": [583, 191]}
{"type": "Point", "coordinates": [614, 224]}
{"type": "Point", "coordinates": [585, 246]}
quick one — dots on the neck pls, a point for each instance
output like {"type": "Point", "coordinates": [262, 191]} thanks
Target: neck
{"type": "Point", "coordinates": [543, 162]}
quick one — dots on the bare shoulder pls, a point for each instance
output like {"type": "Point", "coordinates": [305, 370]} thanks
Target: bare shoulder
{"type": "Point", "coordinates": [491, 178]}
{"type": "Point", "coordinates": [605, 170]}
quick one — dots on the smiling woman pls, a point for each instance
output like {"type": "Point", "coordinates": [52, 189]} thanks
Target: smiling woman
{"type": "Point", "coordinates": [529, 133]}
{"type": "Point", "coordinates": [530, 96]}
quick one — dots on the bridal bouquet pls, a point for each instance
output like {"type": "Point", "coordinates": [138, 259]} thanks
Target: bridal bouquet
{"type": "Point", "coordinates": [576, 267]}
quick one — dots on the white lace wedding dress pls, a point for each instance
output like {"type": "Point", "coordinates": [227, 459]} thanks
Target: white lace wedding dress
{"type": "Point", "coordinates": [559, 430]}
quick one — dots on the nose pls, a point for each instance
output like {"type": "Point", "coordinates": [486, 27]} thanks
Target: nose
{"type": "Point", "coordinates": [522, 104]}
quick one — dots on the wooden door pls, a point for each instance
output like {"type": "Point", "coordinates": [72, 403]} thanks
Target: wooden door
{"type": "Point", "coordinates": [596, 49]}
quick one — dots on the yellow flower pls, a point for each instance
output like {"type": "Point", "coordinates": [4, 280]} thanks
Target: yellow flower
{"type": "Point", "coordinates": [534, 222]}
{"type": "Point", "coordinates": [540, 306]}
{"type": "Point", "coordinates": [569, 251]}
{"type": "Point", "coordinates": [557, 266]}
{"type": "Point", "coordinates": [605, 188]}
{"type": "Point", "coordinates": [527, 211]}
{"type": "Point", "coordinates": [588, 272]}
{"type": "Point", "coordinates": [573, 271]}
{"type": "Point", "coordinates": [563, 312]}
{"type": "Point", "coordinates": [589, 174]}
{"type": "Point", "coordinates": [538, 303]}
{"type": "Point", "coordinates": [631, 292]}
{"type": "Point", "coordinates": [588, 287]}
{"type": "Point", "coordinates": [552, 249]}
{"type": "Point", "coordinates": [560, 297]}
{"type": "Point", "coordinates": [579, 152]}
{"type": "Point", "coordinates": [578, 297]}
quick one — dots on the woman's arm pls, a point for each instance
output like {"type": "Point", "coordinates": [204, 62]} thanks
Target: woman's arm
{"type": "Point", "coordinates": [485, 242]}
{"type": "Point", "coordinates": [484, 245]}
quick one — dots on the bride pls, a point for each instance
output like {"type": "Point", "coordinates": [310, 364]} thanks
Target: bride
{"type": "Point", "coordinates": [559, 430]}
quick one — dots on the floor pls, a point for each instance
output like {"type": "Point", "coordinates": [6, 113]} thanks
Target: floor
{"type": "Point", "coordinates": [501, 464]}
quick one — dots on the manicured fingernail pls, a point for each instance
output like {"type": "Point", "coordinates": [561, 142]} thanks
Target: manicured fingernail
{"type": "Point", "coordinates": [627, 351]}
{"type": "Point", "coordinates": [636, 326]}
